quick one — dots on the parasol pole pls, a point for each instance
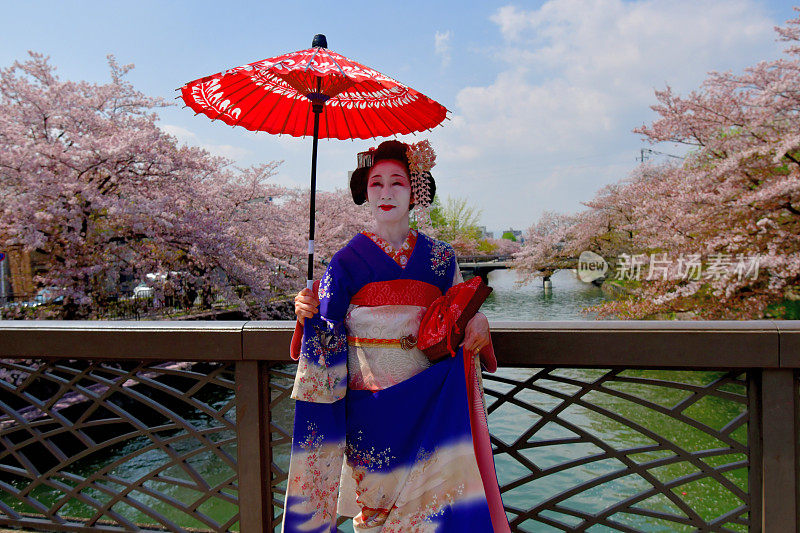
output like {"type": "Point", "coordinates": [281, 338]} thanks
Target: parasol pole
{"type": "Point", "coordinates": [317, 103]}
{"type": "Point", "coordinates": [317, 108]}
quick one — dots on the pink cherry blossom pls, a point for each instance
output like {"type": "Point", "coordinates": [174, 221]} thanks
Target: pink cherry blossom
{"type": "Point", "coordinates": [93, 187]}
{"type": "Point", "coordinates": [737, 193]}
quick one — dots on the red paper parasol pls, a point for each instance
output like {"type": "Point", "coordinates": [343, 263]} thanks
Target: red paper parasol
{"type": "Point", "coordinates": [313, 92]}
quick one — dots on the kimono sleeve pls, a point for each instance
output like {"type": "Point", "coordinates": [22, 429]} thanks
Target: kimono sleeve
{"type": "Point", "coordinates": [322, 366]}
{"type": "Point", "coordinates": [315, 467]}
{"type": "Point", "coordinates": [318, 436]}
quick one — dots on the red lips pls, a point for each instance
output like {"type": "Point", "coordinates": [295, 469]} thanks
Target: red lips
{"type": "Point", "coordinates": [386, 207]}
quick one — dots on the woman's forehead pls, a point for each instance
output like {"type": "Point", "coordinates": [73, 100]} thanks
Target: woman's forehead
{"type": "Point", "coordinates": [388, 167]}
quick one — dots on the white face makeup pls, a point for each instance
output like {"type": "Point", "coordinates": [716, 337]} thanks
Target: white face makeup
{"type": "Point", "coordinates": [389, 191]}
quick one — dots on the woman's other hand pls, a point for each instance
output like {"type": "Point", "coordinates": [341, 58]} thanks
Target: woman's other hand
{"type": "Point", "coordinates": [306, 305]}
{"type": "Point", "coordinates": [476, 335]}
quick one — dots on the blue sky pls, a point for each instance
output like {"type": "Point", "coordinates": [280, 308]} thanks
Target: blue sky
{"type": "Point", "coordinates": [543, 95]}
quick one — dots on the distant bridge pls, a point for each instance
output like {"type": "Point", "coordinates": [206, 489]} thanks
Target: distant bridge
{"type": "Point", "coordinates": [481, 265]}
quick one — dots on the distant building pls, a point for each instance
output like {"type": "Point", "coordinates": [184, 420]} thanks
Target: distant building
{"type": "Point", "coordinates": [485, 234]}
{"type": "Point", "coordinates": [513, 235]}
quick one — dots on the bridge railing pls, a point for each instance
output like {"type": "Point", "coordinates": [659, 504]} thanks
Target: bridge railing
{"type": "Point", "coordinates": [635, 426]}
{"type": "Point", "coordinates": [483, 258]}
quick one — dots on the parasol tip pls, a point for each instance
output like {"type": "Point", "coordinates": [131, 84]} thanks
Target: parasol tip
{"type": "Point", "coordinates": [319, 41]}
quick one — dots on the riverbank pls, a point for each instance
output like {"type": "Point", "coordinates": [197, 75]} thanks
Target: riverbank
{"type": "Point", "coordinates": [786, 309]}
{"type": "Point", "coordinates": [277, 310]}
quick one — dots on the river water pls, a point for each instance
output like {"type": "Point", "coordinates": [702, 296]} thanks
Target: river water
{"type": "Point", "coordinates": [564, 300]}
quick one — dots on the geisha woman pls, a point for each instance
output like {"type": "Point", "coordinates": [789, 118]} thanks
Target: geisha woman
{"type": "Point", "coordinates": [381, 433]}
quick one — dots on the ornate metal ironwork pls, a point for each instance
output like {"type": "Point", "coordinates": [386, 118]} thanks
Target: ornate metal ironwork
{"type": "Point", "coordinates": [123, 445]}
{"type": "Point", "coordinates": [631, 450]}
{"type": "Point", "coordinates": [118, 445]}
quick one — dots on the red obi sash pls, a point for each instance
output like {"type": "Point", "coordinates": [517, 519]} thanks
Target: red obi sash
{"type": "Point", "coordinates": [396, 292]}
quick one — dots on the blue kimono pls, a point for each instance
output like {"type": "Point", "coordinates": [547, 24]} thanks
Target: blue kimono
{"type": "Point", "coordinates": [380, 433]}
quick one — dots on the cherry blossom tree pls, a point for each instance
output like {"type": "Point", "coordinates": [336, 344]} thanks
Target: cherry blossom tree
{"type": "Point", "coordinates": [609, 227]}
{"type": "Point", "coordinates": [338, 219]}
{"type": "Point", "coordinates": [546, 246]}
{"type": "Point", "coordinates": [732, 206]}
{"type": "Point", "coordinates": [92, 184]}
{"type": "Point", "coordinates": [502, 247]}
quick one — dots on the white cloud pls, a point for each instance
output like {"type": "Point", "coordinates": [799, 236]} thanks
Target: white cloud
{"type": "Point", "coordinates": [182, 134]}
{"type": "Point", "coordinates": [511, 21]}
{"type": "Point", "coordinates": [576, 76]}
{"type": "Point", "coordinates": [226, 150]}
{"type": "Point", "coordinates": [578, 68]}
{"type": "Point", "coordinates": [442, 46]}
{"type": "Point", "coordinates": [551, 116]}
{"type": "Point", "coordinates": [190, 138]}
{"type": "Point", "coordinates": [633, 45]}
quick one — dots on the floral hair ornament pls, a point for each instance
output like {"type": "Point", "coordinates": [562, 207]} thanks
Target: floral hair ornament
{"type": "Point", "coordinates": [421, 159]}
{"type": "Point", "coordinates": [418, 158]}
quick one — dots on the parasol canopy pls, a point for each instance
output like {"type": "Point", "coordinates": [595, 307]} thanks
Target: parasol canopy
{"type": "Point", "coordinates": [313, 92]}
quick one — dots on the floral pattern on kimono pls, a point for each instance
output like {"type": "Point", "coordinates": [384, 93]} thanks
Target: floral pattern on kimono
{"type": "Point", "coordinates": [402, 254]}
{"type": "Point", "coordinates": [322, 367]}
{"type": "Point", "coordinates": [317, 479]}
{"type": "Point", "coordinates": [379, 433]}
{"type": "Point", "coordinates": [442, 256]}
{"type": "Point", "coordinates": [315, 467]}
{"type": "Point", "coordinates": [318, 437]}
